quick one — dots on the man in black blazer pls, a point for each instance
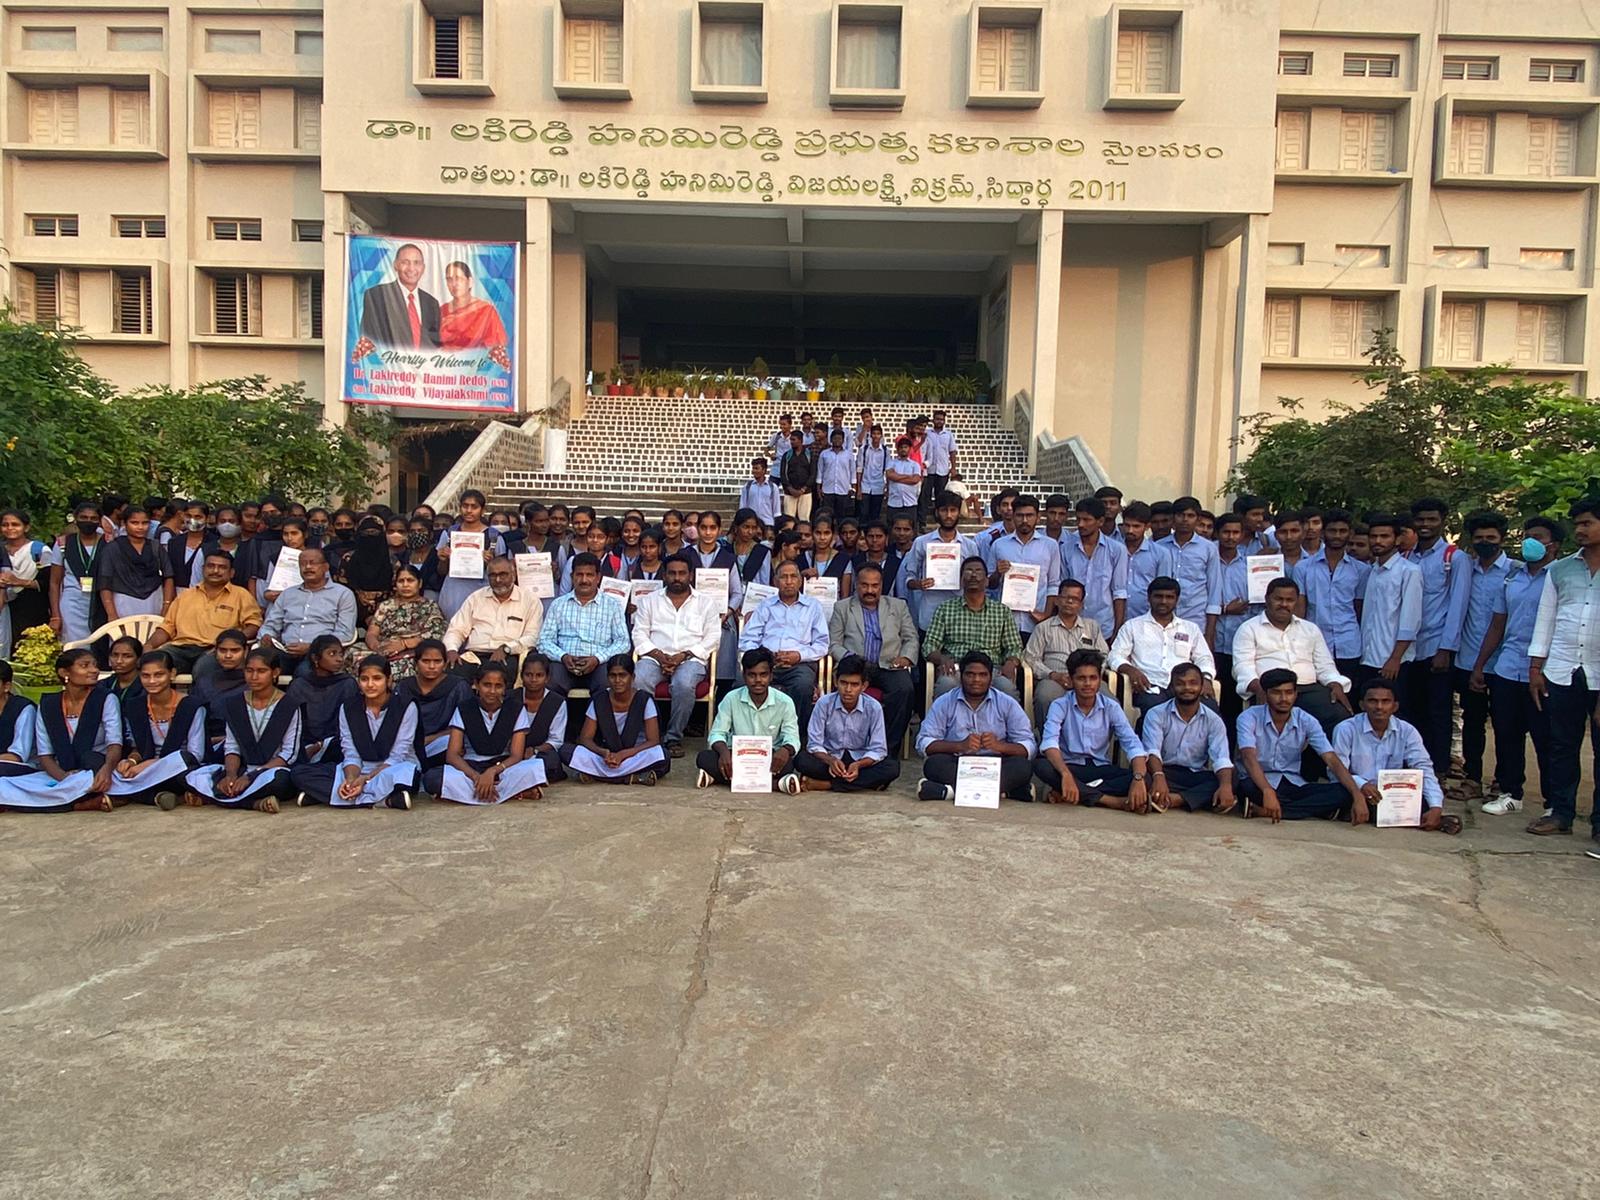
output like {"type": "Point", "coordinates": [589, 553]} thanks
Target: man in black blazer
{"type": "Point", "coordinates": [388, 309]}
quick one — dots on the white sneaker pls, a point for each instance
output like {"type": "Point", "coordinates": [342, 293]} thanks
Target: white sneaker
{"type": "Point", "coordinates": [790, 783]}
{"type": "Point", "coordinates": [1502, 804]}
{"type": "Point", "coordinates": [704, 780]}
{"type": "Point", "coordinates": [300, 800]}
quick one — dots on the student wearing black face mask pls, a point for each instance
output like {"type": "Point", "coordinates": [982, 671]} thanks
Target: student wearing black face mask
{"type": "Point", "coordinates": [420, 554]}
{"type": "Point", "coordinates": [75, 603]}
{"type": "Point", "coordinates": [344, 538]}
{"type": "Point", "coordinates": [366, 568]}
{"type": "Point", "coordinates": [317, 527]}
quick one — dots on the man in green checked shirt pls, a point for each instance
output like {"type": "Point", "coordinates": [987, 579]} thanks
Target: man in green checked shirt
{"type": "Point", "coordinates": [972, 621]}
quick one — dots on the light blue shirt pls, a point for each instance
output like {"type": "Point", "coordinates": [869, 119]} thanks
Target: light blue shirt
{"type": "Point", "coordinates": [1391, 610]}
{"type": "Point", "coordinates": [801, 627]}
{"type": "Point", "coordinates": [1235, 586]}
{"type": "Point", "coordinates": [24, 735]}
{"type": "Point", "coordinates": [1331, 599]}
{"type": "Point", "coordinates": [924, 604]}
{"type": "Point", "coordinates": [1519, 600]}
{"type": "Point", "coordinates": [1199, 576]}
{"type": "Point", "coordinates": [1144, 564]}
{"type": "Point", "coordinates": [1487, 587]}
{"type": "Point", "coordinates": [1446, 582]}
{"type": "Point", "coordinates": [951, 719]}
{"type": "Point", "coordinates": [871, 462]}
{"type": "Point", "coordinates": [1279, 751]}
{"type": "Point", "coordinates": [301, 615]}
{"type": "Point", "coordinates": [1087, 737]}
{"type": "Point", "coordinates": [1400, 749]}
{"type": "Point", "coordinates": [904, 495]}
{"type": "Point", "coordinates": [765, 499]}
{"type": "Point", "coordinates": [1104, 575]}
{"type": "Point", "coordinates": [1201, 744]}
{"type": "Point", "coordinates": [596, 628]}
{"type": "Point", "coordinates": [1041, 552]}
{"type": "Point", "coordinates": [836, 472]}
{"type": "Point", "coordinates": [836, 730]}
{"type": "Point", "coordinates": [937, 447]}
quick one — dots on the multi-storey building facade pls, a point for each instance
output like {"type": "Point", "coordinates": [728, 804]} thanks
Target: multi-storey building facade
{"type": "Point", "coordinates": [1147, 219]}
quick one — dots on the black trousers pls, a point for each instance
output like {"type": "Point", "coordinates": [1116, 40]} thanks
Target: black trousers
{"type": "Point", "coordinates": [1474, 724]}
{"type": "Point", "coordinates": [1194, 788]}
{"type": "Point", "coordinates": [1301, 800]}
{"type": "Point", "coordinates": [708, 762]}
{"type": "Point", "coordinates": [1571, 708]}
{"type": "Point", "coordinates": [1516, 720]}
{"type": "Point", "coordinates": [932, 485]}
{"type": "Point", "coordinates": [561, 680]}
{"type": "Point", "coordinates": [1094, 779]}
{"type": "Point", "coordinates": [1429, 704]}
{"type": "Point", "coordinates": [1232, 704]}
{"type": "Point", "coordinates": [872, 779]}
{"type": "Point", "coordinates": [799, 683]}
{"type": "Point", "coordinates": [871, 506]}
{"type": "Point", "coordinates": [839, 506]}
{"type": "Point", "coordinates": [897, 688]}
{"type": "Point", "coordinates": [467, 670]}
{"type": "Point", "coordinates": [1016, 774]}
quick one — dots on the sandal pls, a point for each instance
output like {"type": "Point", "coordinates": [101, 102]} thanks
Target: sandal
{"type": "Point", "coordinates": [643, 778]}
{"type": "Point", "coordinates": [267, 804]}
{"type": "Point", "coordinates": [1450, 823]}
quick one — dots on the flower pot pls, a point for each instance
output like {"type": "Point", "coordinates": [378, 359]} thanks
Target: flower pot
{"type": "Point", "coordinates": [613, 389]}
{"type": "Point", "coordinates": [761, 393]}
{"type": "Point", "coordinates": [812, 397]}
{"type": "Point", "coordinates": [629, 390]}
{"type": "Point", "coordinates": [661, 393]}
{"type": "Point", "coordinates": [679, 393]}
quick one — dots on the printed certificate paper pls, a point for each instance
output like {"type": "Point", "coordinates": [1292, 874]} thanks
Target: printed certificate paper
{"type": "Point", "coordinates": [944, 565]}
{"type": "Point", "coordinates": [825, 591]}
{"type": "Point", "coordinates": [466, 555]}
{"type": "Point", "coordinates": [752, 763]}
{"type": "Point", "coordinates": [1402, 799]}
{"type": "Point", "coordinates": [1020, 591]}
{"type": "Point", "coordinates": [713, 581]}
{"type": "Point", "coordinates": [534, 574]}
{"type": "Point", "coordinates": [286, 574]}
{"type": "Point", "coordinates": [978, 781]}
{"type": "Point", "coordinates": [1261, 570]}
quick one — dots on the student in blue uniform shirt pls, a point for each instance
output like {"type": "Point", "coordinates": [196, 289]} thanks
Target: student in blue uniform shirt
{"type": "Point", "coordinates": [1195, 567]}
{"type": "Point", "coordinates": [975, 718]}
{"type": "Point", "coordinates": [1488, 567]}
{"type": "Point", "coordinates": [1026, 545]}
{"type": "Point", "coordinates": [1375, 740]}
{"type": "Point", "coordinates": [164, 737]}
{"type": "Point", "coordinates": [18, 718]}
{"type": "Point", "coordinates": [1147, 558]}
{"type": "Point", "coordinates": [260, 746]}
{"type": "Point", "coordinates": [1236, 609]}
{"type": "Point", "coordinates": [1082, 732]}
{"type": "Point", "coordinates": [1098, 562]}
{"type": "Point", "coordinates": [1273, 738]}
{"type": "Point", "coordinates": [1333, 582]}
{"type": "Point", "coordinates": [1186, 749]}
{"type": "Point", "coordinates": [377, 762]}
{"type": "Point", "coordinates": [847, 749]}
{"type": "Point", "coordinates": [435, 692]}
{"type": "Point", "coordinates": [1429, 692]}
{"type": "Point", "coordinates": [1391, 606]}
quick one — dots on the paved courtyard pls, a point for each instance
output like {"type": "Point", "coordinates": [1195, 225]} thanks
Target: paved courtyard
{"type": "Point", "coordinates": [630, 993]}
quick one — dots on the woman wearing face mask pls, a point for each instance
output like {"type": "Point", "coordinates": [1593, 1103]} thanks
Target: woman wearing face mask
{"type": "Point", "coordinates": [367, 570]}
{"type": "Point", "coordinates": [344, 538]}
{"type": "Point", "coordinates": [186, 551]}
{"type": "Point", "coordinates": [317, 527]}
{"type": "Point", "coordinates": [394, 536]}
{"type": "Point", "coordinates": [402, 622]}
{"type": "Point", "coordinates": [420, 555]}
{"type": "Point", "coordinates": [228, 536]}
{"type": "Point", "coordinates": [73, 597]}
{"type": "Point", "coordinates": [456, 588]}
{"type": "Point", "coordinates": [505, 525]}
{"type": "Point", "coordinates": [132, 573]}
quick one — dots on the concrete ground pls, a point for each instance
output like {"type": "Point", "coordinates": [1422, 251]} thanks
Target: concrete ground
{"type": "Point", "coordinates": [627, 993]}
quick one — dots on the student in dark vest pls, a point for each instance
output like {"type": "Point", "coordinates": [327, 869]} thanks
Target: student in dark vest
{"type": "Point", "coordinates": [547, 717]}
{"type": "Point", "coordinates": [751, 555]}
{"type": "Point", "coordinates": [77, 744]}
{"type": "Point", "coordinates": [484, 763]}
{"type": "Point", "coordinates": [123, 682]}
{"type": "Point", "coordinates": [260, 743]}
{"type": "Point", "coordinates": [222, 684]}
{"type": "Point", "coordinates": [621, 736]}
{"type": "Point", "coordinates": [164, 737]}
{"type": "Point", "coordinates": [377, 761]}
{"type": "Point", "coordinates": [18, 728]}
{"type": "Point", "coordinates": [437, 694]}
{"type": "Point", "coordinates": [320, 695]}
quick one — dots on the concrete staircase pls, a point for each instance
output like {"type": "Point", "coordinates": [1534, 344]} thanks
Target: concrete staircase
{"type": "Point", "coordinates": [655, 454]}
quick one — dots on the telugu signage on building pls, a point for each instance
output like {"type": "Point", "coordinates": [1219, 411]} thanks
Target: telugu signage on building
{"type": "Point", "coordinates": [431, 324]}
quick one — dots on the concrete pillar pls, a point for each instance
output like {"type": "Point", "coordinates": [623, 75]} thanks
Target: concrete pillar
{"type": "Point", "coordinates": [1047, 321]}
{"type": "Point", "coordinates": [1016, 371]}
{"type": "Point", "coordinates": [1217, 277]}
{"type": "Point", "coordinates": [1249, 302]}
{"type": "Point", "coordinates": [335, 303]}
{"type": "Point", "coordinates": [182, 284]}
{"type": "Point", "coordinates": [603, 326]}
{"type": "Point", "coordinates": [538, 306]}
{"type": "Point", "coordinates": [568, 305]}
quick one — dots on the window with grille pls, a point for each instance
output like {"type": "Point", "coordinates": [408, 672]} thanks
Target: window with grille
{"type": "Point", "coordinates": [1286, 254]}
{"type": "Point", "coordinates": [58, 226]}
{"type": "Point", "coordinates": [236, 305]}
{"type": "Point", "coordinates": [1460, 331]}
{"type": "Point", "coordinates": [457, 45]}
{"type": "Point", "coordinates": [50, 37]}
{"type": "Point", "coordinates": [1294, 129]}
{"type": "Point", "coordinates": [233, 41]}
{"type": "Point", "coordinates": [1555, 70]}
{"type": "Point", "coordinates": [235, 229]}
{"type": "Point", "coordinates": [131, 305]}
{"type": "Point", "coordinates": [1533, 259]}
{"type": "Point", "coordinates": [140, 227]}
{"type": "Point", "coordinates": [1143, 62]}
{"type": "Point", "coordinates": [1461, 258]}
{"type": "Point", "coordinates": [1008, 57]}
{"type": "Point", "coordinates": [1371, 66]}
{"type": "Point", "coordinates": [1353, 323]}
{"type": "Point", "coordinates": [1366, 140]}
{"type": "Point", "coordinates": [1552, 146]}
{"type": "Point", "coordinates": [1281, 335]}
{"type": "Point", "coordinates": [46, 295]}
{"type": "Point", "coordinates": [1473, 69]}
{"type": "Point", "coordinates": [1294, 62]}
{"type": "Point", "coordinates": [307, 231]}
{"type": "Point", "coordinates": [308, 121]}
{"type": "Point", "coordinates": [235, 115]}
{"type": "Point", "coordinates": [130, 117]}
{"type": "Point", "coordinates": [53, 116]}
{"type": "Point", "coordinates": [1541, 333]}
{"type": "Point", "coordinates": [308, 306]}
{"type": "Point", "coordinates": [134, 40]}
{"type": "Point", "coordinates": [1360, 256]}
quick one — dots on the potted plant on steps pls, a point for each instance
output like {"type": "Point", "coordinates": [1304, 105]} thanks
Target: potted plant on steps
{"type": "Point", "coordinates": [811, 376]}
{"type": "Point", "coordinates": [759, 373]}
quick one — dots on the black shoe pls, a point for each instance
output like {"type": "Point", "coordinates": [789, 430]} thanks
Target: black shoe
{"type": "Point", "coordinates": [929, 790]}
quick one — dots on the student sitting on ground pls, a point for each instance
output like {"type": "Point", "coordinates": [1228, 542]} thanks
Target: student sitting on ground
{"type": "Point", "coordinates": [1377, 740]}
{"type": "Point", "coordinates": [18, 720]}
{"type": "Point", "coordinates": [547, 717]}
{"type": "Point", "coordinates": [77, 744]}
{"type": "Point", "coordinates": [261, 743]}
{"type": "Point", "coordinates": [164, 737]}
{"type": "Point", "coordinates": [436, 693]}
{"type": "Point", "coordinates": [377, 761]}
{"type": "Point", "coordinates": [846, 746]}
{"type": "Point", "coordinates": [621, 736]}
{"type": "Point", "coordinates": [754, 710]}
{"type": "Point", "coordinates": [1272, 738]}
{"type": "Point", "coordinates": [218, 687]}
{"type": "Point", "coordinates": [319, 695]}
{"type": "Point", "coordinates": [1081, 733]}
{"type": "Point", "coordinates": [484, 763]}
{"type": "Point", "coordinates": [975, 718]}
{"type": "Point", "coordinates": [1186, 748]}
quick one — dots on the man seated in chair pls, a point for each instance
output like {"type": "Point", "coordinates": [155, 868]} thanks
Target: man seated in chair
{"type": "Point", "coordinates": [1082, 731]}
{"type": "Point", "coordinates": [497, 623]}
{"type": "Point", "coordinates": [794, 627]}
{"type": "Point", "coordinates": [976, 718]}
{"type": "Point", "coordinates": [754, 710]}
{"type": "Point", "coordinates": [1272, 738]}
{"type": "Point", "coordinates": [1055, 641]}
{"type": "Point", "coordinates": [846, 750]}
{"type": "Point", "coordinates": [189, 630]}
{"type": "Point", "coordinates": [312, 608]}
{"type": "Point", "coordinates": [973, 622]}
{"type": "Point", "coordinates": [1186, 749]}
{"type": "Point", "coordinates": [1147, 648]}
{"type": "Point", "coordinates": [675, 632]}
{"type": "Point", "coordinates": [879, 629]}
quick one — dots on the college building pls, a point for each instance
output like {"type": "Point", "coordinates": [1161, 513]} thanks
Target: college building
{"type": "Point", "coordinates": [1146, 221]}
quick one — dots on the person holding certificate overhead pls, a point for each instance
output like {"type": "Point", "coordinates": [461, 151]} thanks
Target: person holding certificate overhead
{"type": "Point", "coordinates": [1376, 740]}
{"type": "Point", "coordinates": [978, 719]}
{"type": "Point", "coordinates": [931, 573]}
{"type": "Point", "coordinates": [754, 710]}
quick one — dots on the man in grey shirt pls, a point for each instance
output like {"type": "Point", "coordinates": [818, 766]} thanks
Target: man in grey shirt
{"type": "Point", "coordinates": [314, 606]}
{"type": "Point", "coordinates": [1053, 642]}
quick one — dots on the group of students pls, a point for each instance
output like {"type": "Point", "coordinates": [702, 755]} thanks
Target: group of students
{"type": "Point", "coordinates": [1384, 625]}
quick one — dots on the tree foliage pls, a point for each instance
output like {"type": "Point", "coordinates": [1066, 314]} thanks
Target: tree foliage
{"type": "Point", "coordinates": [65, 432]}
{"type": "Point", "coordinates": [1477, 439]}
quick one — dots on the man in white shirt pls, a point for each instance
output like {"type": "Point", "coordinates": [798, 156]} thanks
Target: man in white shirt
{"type": "Point", "coordinates": [904, 474]}
{"type": "Point", "coordinates": [498, 623]}
{"type": "Point", "coordinates": [938, 459]}
{"type": "Point", "coordinates": [761, 494]}
{"type": "Point", "coordinates": [1148, 647]}
{"type": "Point", "coordinates": [1278, 638]}
{"type": "Point", "coordinates": [674, 633]}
